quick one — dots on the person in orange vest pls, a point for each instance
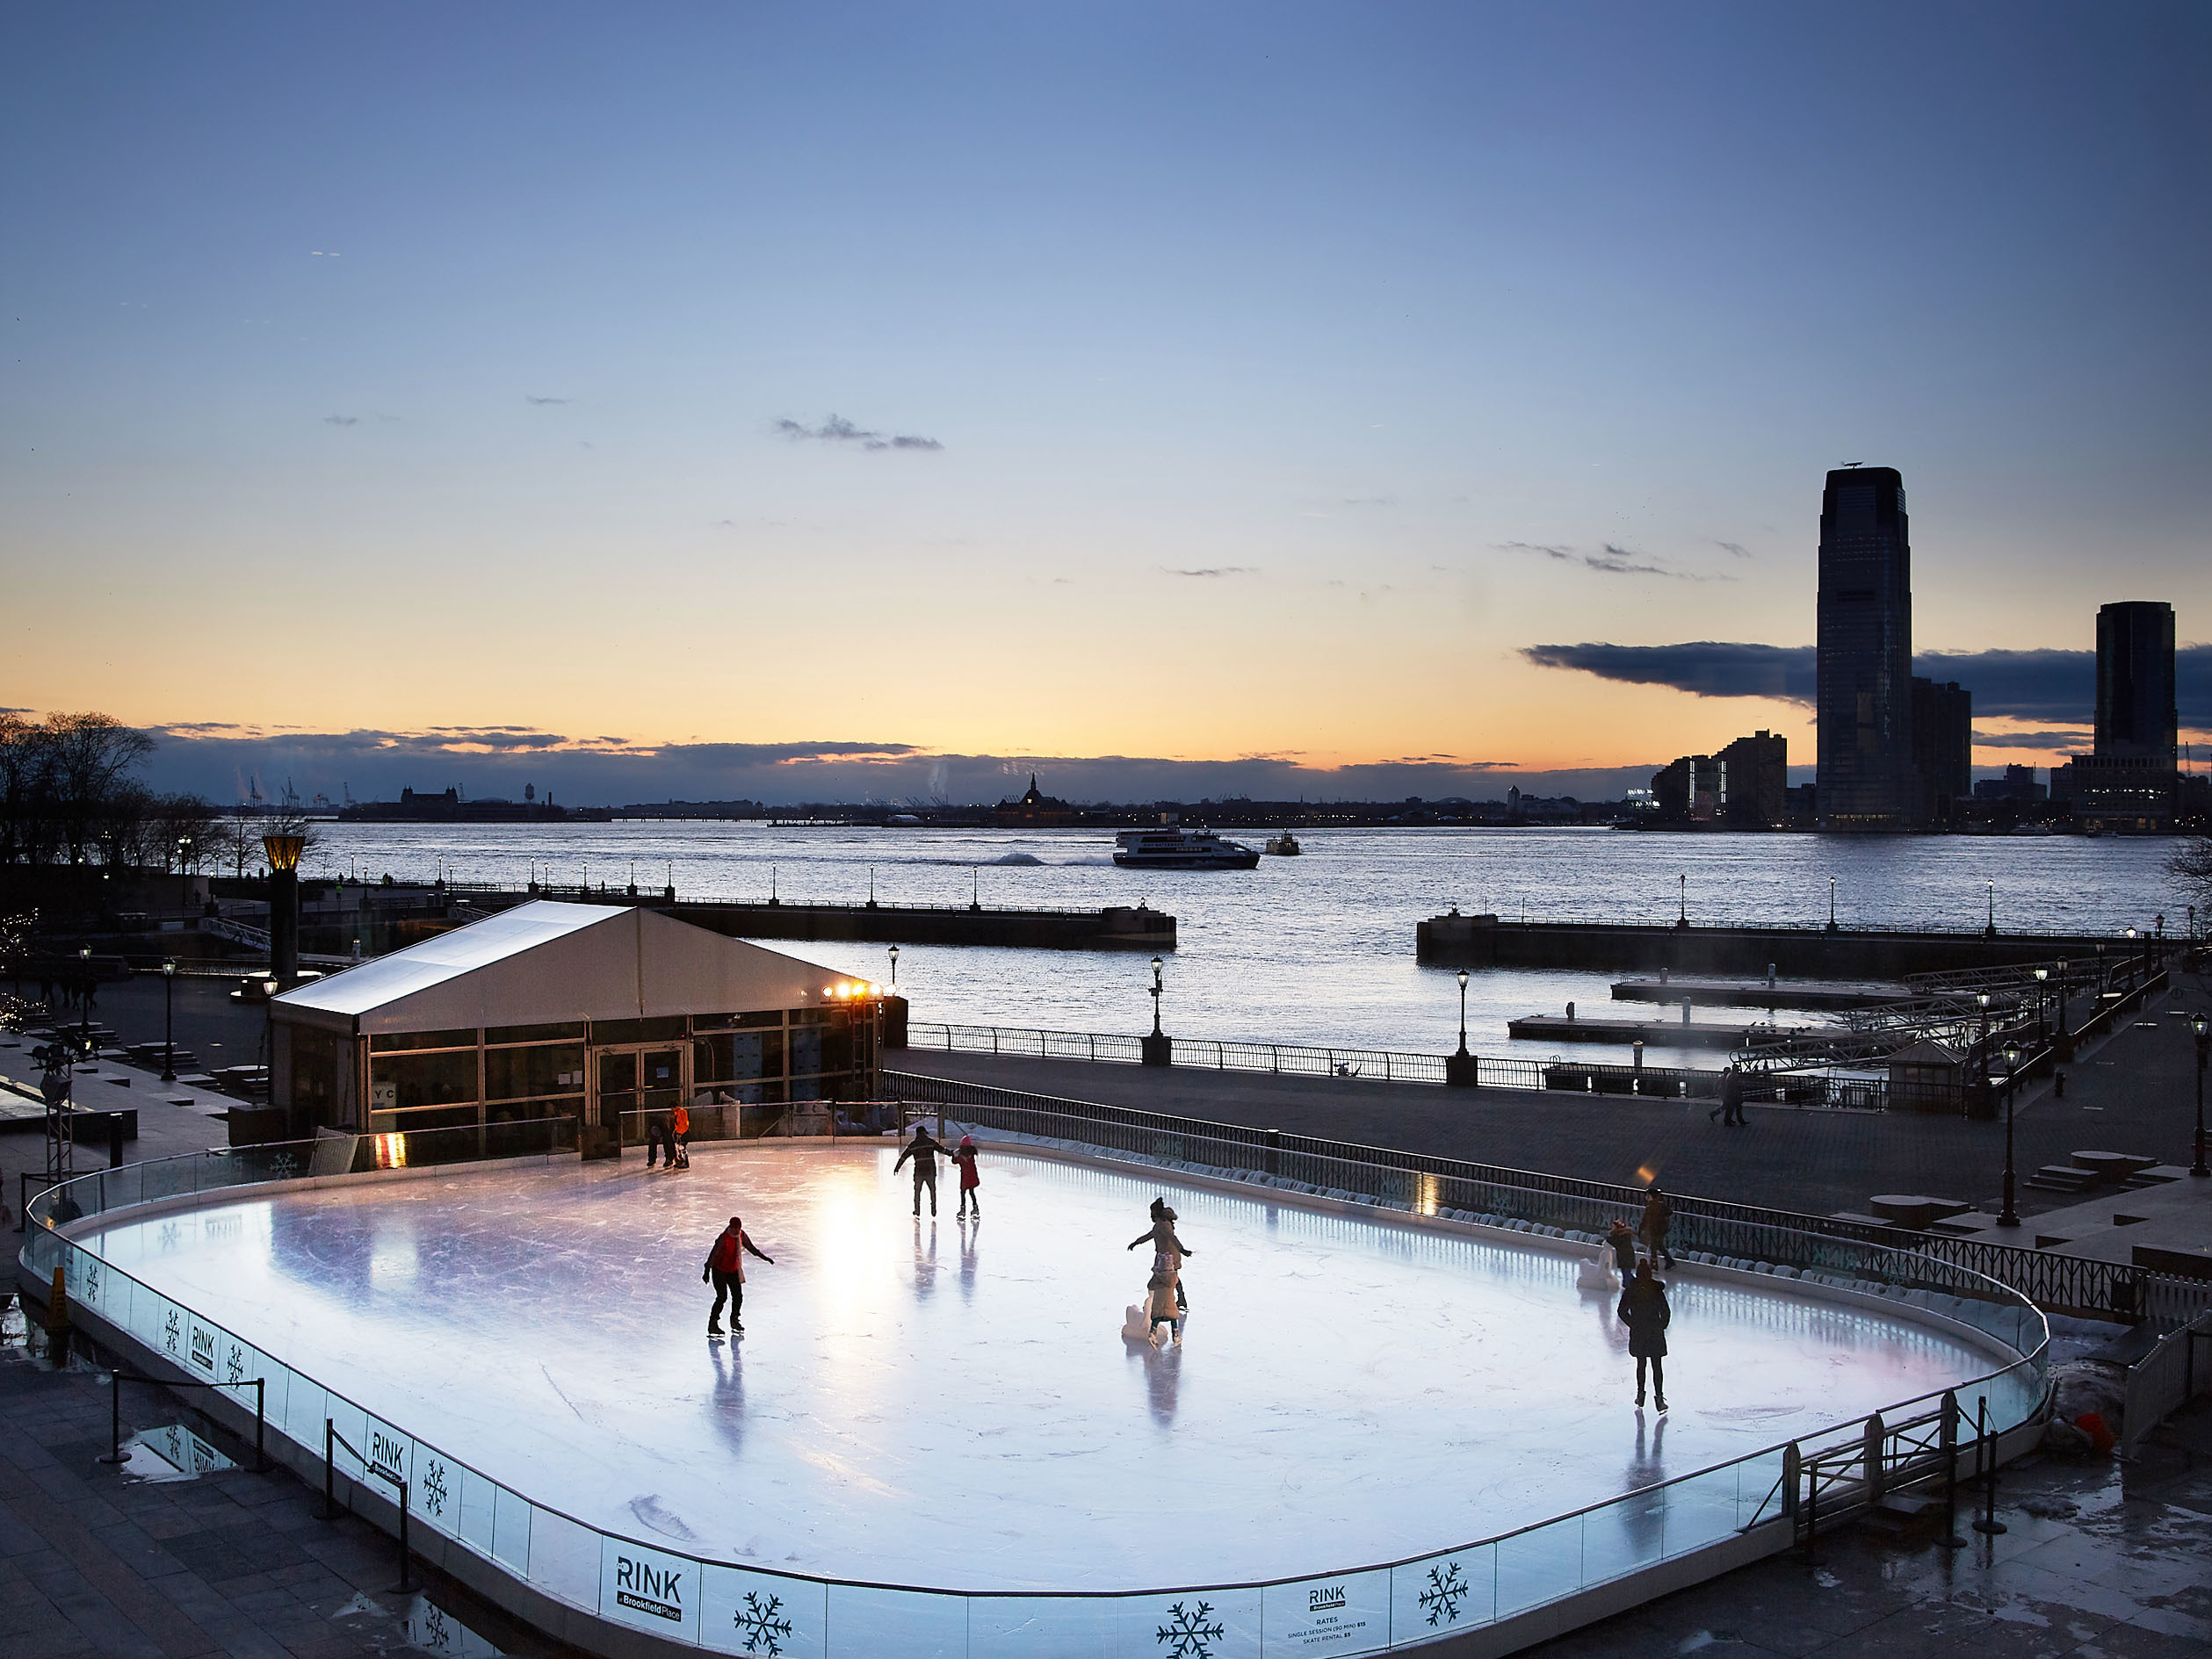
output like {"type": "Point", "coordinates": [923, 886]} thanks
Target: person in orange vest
{"type": "Point", "coordinates": [725, 1269]}
{"type": "Point", "coordinates": [680, 1145]}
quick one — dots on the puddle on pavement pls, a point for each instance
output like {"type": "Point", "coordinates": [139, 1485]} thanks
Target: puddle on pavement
{"type": "Point", "coordinates": [173, 1453]}
{"type": "Point", "coordinates": [426, 1626]}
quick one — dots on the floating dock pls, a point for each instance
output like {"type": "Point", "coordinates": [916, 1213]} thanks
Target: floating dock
{"type": "Point", "coordinates": [1455, 940]}
{"type": "Point", "coordinates": [1760, 993]}
{"type": "Point", "coordinates": [1656, 1033]}
{"type": "Point", "coordinates": [1117, 927]}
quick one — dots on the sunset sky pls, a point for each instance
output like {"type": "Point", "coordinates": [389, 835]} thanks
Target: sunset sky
{"type": "Point", "coordinates": [1179, 382]}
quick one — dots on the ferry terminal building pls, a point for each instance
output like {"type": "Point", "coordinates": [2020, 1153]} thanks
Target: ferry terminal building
{"type": "Point", "coordinates": [560, 1010]}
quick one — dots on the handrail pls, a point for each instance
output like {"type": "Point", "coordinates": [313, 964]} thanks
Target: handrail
{"type": "Point", "coordinates": [331, 1440]}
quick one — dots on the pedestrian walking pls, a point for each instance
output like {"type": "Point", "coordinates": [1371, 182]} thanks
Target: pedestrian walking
{"type": "Point", "coordinates": [923, 1150]}
{"type": "Point", "coordinates": [1730, 1109]}
{"type": "Point", "coordinates": [1644, 1311]}
{"type": "Point", "coordinates": [724, 1270]}
{"type": "Point", "coordinates": [1168, 1251]}
{"type": "Point", "coordinates": [1658, 1212]}
{"type": "Point", "coordinates": [964, 1156]}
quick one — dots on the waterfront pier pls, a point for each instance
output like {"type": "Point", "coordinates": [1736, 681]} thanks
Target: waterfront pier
{"type": "Point", "coordinates": [1137, 927]}
{"type": "Point", "coordinates": [1456, 940]}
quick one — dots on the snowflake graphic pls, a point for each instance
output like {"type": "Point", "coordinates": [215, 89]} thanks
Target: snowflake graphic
{"type": "Point", "coordinates": [91, 1291]}
{"type": "Point", "coordinates": [283, 1167]}
{"type": "Point", "coordinates": [435, 1491]}
{"type": "Point", "coordinates": [1190, 1632]}
{"type": "Point", "coordinates": [757, 1623]}
{"type": "Point", "coordinates": [234, 1361]}
{"type": "Point", "coordinates": [1446, 1589]}
{"type": "Point", "coordinates": [170, 1331]}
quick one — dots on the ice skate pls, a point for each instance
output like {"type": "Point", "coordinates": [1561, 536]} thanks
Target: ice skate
{"type": "Point", "coordinates": [1662, 1405]}
{"type": "Point", "coordinates": [713, 1330]}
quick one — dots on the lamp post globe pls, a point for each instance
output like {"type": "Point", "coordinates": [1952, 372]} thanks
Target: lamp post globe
{"type": "Point", "coordinates": [894, 968]}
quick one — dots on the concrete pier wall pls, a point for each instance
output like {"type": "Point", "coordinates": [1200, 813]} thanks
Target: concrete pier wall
{"type": "Point", "coordinates": [1487, 941]}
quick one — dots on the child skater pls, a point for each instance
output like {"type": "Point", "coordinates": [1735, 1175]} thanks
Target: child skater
{"type": "Point", "coordinates": [1160, 1301]}
{"type": "Point", "coordinates": [964, 1156]}
{"type": "Point", "coordinates": [1168, 1251]}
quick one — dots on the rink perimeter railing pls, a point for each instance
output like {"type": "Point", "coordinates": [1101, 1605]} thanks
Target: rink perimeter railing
{"type": "Point", "coordinates": [1728, 1232]}
{"type": "Point", "coordinates": [724, 1608]}
{"type": "Point", "coordinates": [1391, 1065]}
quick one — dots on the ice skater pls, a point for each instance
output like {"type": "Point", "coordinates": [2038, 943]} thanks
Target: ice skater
{"type": "Point", "coordinates": [1658, 1212]}
{"type": "Point", "coordinates": [1168, 1251]}
{"type": "Point", "coordinates": [923, 1150]}
{"type": "Point", "coordinates": [660, 1140]}
{"type": "Point", "coordinates": [1162, 1308]}
{"type": "Point", "coordinates": [1622, 1244]}
{"type": "Point", "coordinates": [963, 1156]}
{"type": "Point", "coordinates": [680, 1138]}
{"type": "Point", "coordinates": [724, 1270]}
{"type": "Point", "coordinates": [1644, 1311]}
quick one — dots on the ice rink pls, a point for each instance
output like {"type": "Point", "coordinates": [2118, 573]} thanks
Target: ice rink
{"type": "Point", "coordinates": [932, 1403]}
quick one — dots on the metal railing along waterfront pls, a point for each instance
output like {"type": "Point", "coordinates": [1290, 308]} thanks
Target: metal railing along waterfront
{"type": "Point", "coordinates": [1728, 1232]}
{"type": "Point", "coordinates": [1386, 1065]}
{"type": "Point", "coordinates": [486, 1528]}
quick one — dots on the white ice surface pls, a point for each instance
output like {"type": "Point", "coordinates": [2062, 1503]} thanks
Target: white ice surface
{"type": "Point", "coordinates": [928, 1403]}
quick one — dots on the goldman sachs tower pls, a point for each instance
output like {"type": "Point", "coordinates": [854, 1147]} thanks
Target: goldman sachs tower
{"type": "Point", "coordinates": [1864, 731]}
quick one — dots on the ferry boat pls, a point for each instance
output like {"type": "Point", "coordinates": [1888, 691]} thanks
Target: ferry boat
{"type": "Point", "coordinates": [1172, 847]}
{"type": "Point", "coordinates": [1284, 845]}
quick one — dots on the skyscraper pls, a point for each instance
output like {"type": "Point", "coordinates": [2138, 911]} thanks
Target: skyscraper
{"type": "Point", "coordinates": [1864, 714]}
{"type": "Point", "coordinates": [1942, 746]}
{"type": "Point", "coordinates": [2131, 779]}
{"type": "Point", "coordinates": [2135, 712]}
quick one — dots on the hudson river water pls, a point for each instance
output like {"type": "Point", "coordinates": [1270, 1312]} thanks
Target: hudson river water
{"type": "Point", "coordinates": [1314, 949]}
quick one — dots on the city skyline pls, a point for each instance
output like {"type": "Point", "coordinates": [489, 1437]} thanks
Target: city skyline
{"type": "Point", "coordinates": [1274, 391]}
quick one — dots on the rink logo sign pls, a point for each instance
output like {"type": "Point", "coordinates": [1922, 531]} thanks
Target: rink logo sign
{"type": "Point", "coordinates": [647, 1589]}
{"type": "Point", "coordinates": [203, 1351]}
{"type": "Point", "coordinates": [386, 1453]}
{"type": "Point", "coordinates": [1326, 1599]}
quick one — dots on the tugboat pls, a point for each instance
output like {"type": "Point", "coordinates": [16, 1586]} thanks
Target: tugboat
{"type": "Point", "coordinates": [1284, 845]}
{"type": "Point", "coordinates": [1171, 847]}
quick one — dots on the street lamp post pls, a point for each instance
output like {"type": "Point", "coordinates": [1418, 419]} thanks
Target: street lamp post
{"type": "Point", "coordinates": [1459, 1068]}
{"type": "Point", "coordinates": [168, 1022]}
{"type": "Point", "coordinates": [1157, 1050]}
{"type": "Point", "coordinates": [2042, 1005]}
{"type": "Point", "coordinates": [1981, 1048]}
{"type": "Point", "coordinates": [894, 968]}
{"type": "Point", "coordinates": [1832, 904]}
{"type": "Point", "coordinates": [1681, 916]}
{"type": "Point", "coordinates": [2064, 1044]}
{"type": "Point", "coordinates": [1991, 930]}
{"type": "Point", "coordinates": [84, 1003]}
{"type": "Point", "coordinates": [2202, 1027]}
{"type": "Point", "coordinates": [2011, 1217]}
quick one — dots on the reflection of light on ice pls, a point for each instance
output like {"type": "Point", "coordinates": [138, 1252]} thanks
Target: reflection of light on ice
{"type": "Point", "coordinates": [925, 1403]}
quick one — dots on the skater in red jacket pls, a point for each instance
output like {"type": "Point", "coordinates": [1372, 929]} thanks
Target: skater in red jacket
{"type": "Point", "coordinates": [725, 1269]}
{"type": "Point", "coordinates": [970, 1199]}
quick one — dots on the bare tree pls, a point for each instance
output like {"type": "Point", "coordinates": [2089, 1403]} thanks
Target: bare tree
{"type": "Point", "coordinates": [2191, 865]}
{"type": "Point", "coordinates": [93, 755]}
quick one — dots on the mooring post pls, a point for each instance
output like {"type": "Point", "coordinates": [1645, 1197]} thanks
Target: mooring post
{"type": "Point", "coordinates": [114, 1418]}
{"type": "Point", "coordinates": [1949, 1441]}
{"type": "Point", "coordinates": [261, 1424]}
{"type": "Point", "coordinates": [330, 1465]}
{"type": "Point", "coordinates": [1988, 1524]}
{"type": "Point", "coordinates": [404, 1557]}
{"type": "Point", "coordinates": [1870, 1455]}
{"type": "Point", "coordinates": [1793, 1462]}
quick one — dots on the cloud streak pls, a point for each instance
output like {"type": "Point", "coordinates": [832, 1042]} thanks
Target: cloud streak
{"type": "Point", "coordinates": [837, 429]}
{"type": "Point", "coordinates": [542, 402]}
{"type": "Point", "coordinates": [1614, 560]}
{"type": "Point", "coordinates": [1210, 572]}
{"type": "Point", "coordinates": [2057, 687]}
{"type": "Point", "coordinates": [342, 420]}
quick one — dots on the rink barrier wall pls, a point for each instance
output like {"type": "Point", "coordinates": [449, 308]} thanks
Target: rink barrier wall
{"type": "Point", "coordinates": [622, 1596]}
{"type": "Point", "coordinates": [2073, 1284]}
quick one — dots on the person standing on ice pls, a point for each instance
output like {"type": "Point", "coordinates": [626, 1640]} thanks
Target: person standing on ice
{"type": "Point", "coordinates": [923, 1150]}
{"type": "Point", "coordinates": [1622, 1244]}
{"type": "Point", "coordinates": [1644, 1311]}
{"type": "Point", "coordinates": [1168, 1251]}
{"type": "Point", "coordinates": [725, 1269]}
{"type": "Point", "coordinates": [964, 1156]}
{"type": "Point", "coordinates": [1658, 1213]}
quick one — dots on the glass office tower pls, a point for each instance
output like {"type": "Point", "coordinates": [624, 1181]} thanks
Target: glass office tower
{"type": "Point", "coordinates": [1864, 730]}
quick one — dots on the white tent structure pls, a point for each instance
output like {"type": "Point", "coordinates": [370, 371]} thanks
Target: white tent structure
{"type": "Point", "coordinates": [591, 1011]}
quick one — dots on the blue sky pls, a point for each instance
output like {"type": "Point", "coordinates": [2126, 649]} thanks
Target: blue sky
{"type": "Point", "coordinates": [1291, 371]}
